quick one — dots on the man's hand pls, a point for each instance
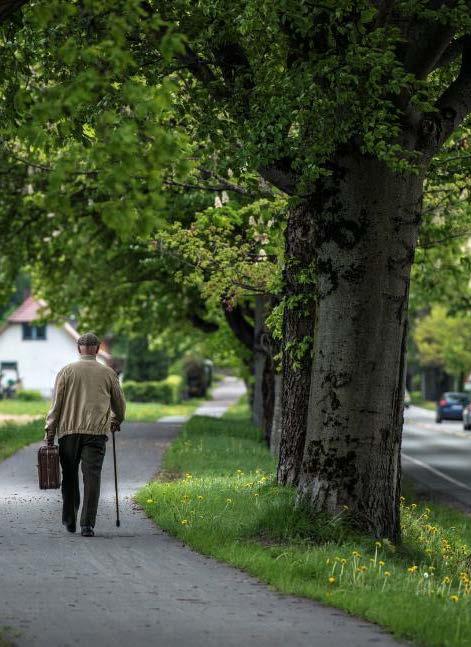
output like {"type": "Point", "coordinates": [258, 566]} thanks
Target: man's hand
{"type": "Point", "coordinates": [114, 427]}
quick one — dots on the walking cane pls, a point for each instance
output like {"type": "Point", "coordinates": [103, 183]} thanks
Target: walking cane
{"type": "Point", "coordinates": [115, 479]}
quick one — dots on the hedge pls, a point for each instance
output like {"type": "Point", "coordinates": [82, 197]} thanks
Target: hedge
{"type": "Point", "coordinates": [168, 391]}
{"type": "Point", "coordinates": [28, 395]}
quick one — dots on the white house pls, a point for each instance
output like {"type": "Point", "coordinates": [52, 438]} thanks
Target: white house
{"type": "Point", "coordinates": [35, 353]}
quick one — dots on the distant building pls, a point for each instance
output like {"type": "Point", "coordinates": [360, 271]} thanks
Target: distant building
{"type": "Point", "coordinates": [33, 353]}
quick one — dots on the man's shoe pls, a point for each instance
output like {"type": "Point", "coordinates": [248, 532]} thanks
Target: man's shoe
{"type": "Point", "coordinates": [71, 527]}
{"type": "Point", "coordinates": [87, 531]}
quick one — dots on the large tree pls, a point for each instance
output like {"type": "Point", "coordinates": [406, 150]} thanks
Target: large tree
{"type": "Point", "coordinates": [343, 106]}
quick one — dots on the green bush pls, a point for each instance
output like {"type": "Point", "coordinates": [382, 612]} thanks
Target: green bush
{"type": "Point", "coordinates": [28, 395]}
{"type": "Point", "coordinates": [167, 391]}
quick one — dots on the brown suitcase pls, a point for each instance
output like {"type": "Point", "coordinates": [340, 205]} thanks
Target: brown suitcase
{"type": "Point", "coordinates": [48, 467]}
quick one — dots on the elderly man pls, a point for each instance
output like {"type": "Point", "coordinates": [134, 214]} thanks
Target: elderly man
{"type": "Point", "coordinates": [88, 402]}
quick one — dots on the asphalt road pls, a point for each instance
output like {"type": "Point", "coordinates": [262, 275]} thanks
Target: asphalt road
{"type": "Point", "coordinates": [134, 585]}
{"type": "Point", "coordinates": [437, 455]}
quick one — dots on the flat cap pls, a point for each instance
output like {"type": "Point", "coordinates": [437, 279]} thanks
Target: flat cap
{"type": "Point", "coordinates": [88, 339]}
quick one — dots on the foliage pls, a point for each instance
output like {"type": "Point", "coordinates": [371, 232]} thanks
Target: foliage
{"type": "Point", "coordinates": [86, 139]}
{"type": "Point", "coordinates": [444, 340]}
{"type": "Point", "coordinates": [28, 395]}
{"type": "Point", "coordinates": [222, 501]}
{"type": "Point", "coordinates": [143, 364]}
{"type": "Point", "coordinates": [168, 391]}
{"type": "Point", "coordinates": [230, 251]}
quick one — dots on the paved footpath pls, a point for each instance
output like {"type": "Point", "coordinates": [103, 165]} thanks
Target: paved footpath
{"type": "Point", "coordinates": [135, 585]}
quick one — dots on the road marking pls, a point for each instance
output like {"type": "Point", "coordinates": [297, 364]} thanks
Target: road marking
{"type": "Point", "coordinates": [436, 472]}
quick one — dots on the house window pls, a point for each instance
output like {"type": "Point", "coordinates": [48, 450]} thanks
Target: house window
{"type": "Point", "coordinates": [34, 332]}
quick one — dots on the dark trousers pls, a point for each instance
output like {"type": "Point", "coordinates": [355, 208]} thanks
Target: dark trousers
{"type": "Point", "coordinates": [89, 449]}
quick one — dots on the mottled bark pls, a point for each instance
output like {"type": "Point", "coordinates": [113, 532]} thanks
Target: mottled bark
{"type": "Point", "coordinates": [268, 397]}
{"type": "Point", "coordinates": [298, 326]}
{"type": "Point", "coordinates": [365, 239]}
{"type": "Point", "coordinates": [275, 436]}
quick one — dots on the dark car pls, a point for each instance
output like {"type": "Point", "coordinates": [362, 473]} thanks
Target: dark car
{"type": "Point", "coordinates": [451, 405]}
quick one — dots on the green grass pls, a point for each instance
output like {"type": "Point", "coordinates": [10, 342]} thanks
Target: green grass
{"type": "Point", "coordinates": [19, 407]}
{"type": "Point", "coordinates": [135, 411]}
{"type": "Point", "coordinates": [417, 399]}
{"type": "Point", "coordinates": [13, 437]}
{"type": "Point", "coordinates": [223, 501]}
{"type": "Point", "coordinates": [152, 411]}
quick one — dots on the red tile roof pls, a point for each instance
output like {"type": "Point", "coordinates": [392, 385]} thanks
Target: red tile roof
{"type": "Point", "coordinates": [28, 311]}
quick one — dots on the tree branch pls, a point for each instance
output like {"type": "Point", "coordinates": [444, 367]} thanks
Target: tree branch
{"type": "Point", "coordinates": [239, 325]}
{"type": "Point", "coordinates": [453, 106]}
{"type": "Point", "coordinates": [7, 7]}
{"type": "Point", "coordinates": [451, 53]}
{"type": "Point", "coordinates": [280, 175]}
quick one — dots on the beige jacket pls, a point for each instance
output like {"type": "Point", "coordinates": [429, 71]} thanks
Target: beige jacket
{"type": "Point", "coordinates": [87, 399]}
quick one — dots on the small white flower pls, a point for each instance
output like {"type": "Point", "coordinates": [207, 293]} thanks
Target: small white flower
{"type": "Point", "coordinates": [426, 575]}
{"type": "Point", "coordinates": [217, 202]}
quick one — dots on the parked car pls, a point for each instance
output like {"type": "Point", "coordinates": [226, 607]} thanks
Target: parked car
{"type": "Point", "coordinates": [467, 417]}
{"type": "Point", "coordinates": [451, 405]}
{"type": "Point", "coordinates": [406, 399]}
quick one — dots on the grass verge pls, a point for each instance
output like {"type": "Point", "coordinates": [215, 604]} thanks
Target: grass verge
{"type": "Point", "coordinates": [135, 411]}
{"type": "Point", "coordinates": [417, 399]}
{"type": "Point", "coordinates": [223, 502]}
{"type": "Point", "coordinates": [13, 437]}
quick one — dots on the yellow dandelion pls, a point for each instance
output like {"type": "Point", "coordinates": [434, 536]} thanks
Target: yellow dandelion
{"type": "Point", "coordinates": [356, 554]}
{"type": "Point", "coordinates": [454, 598]}
{"type": "Point", "coordinates": [228, 500]}
{"type": "Point", "coordinates": [199, 497]}
{"type": "Point", "coordinates": [412, 569]}
{"type": "Point", "coordinates": [331, 579]}
{"type": "Point", "coordinates": [387, 574]}
{"type": "Point", "coordinates": [446, 580]}
{"type": "Point", "coordinates": [378, 544]}
{"type": "Point", "coordinates": [150, 501]}
{"type": "Point", "coordinates": [184, 522]}
{"type": "Point", "coordinates": [381, 563]}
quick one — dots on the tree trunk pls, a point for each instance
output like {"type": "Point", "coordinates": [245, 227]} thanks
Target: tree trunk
{"type": "Point", "coordinates": [275, 436]}
{"type": "Point", "coordinates": [259, 361]}
{"type": "Point", "coordinates": [366, 232]}
{"type": "Point", "coordinates": [268, 397]}
{"type": "Point", "coordinates": [298, 326]}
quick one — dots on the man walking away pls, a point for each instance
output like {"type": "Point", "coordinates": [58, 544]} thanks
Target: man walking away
{"type": "Point", "coordinates": [88, 402]}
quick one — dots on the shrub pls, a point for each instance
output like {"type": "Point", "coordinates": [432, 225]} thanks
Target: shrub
{"type": "Point", "coordinates": [27, 395]}
{"type": "Point", "coordinates": [167, 391]}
